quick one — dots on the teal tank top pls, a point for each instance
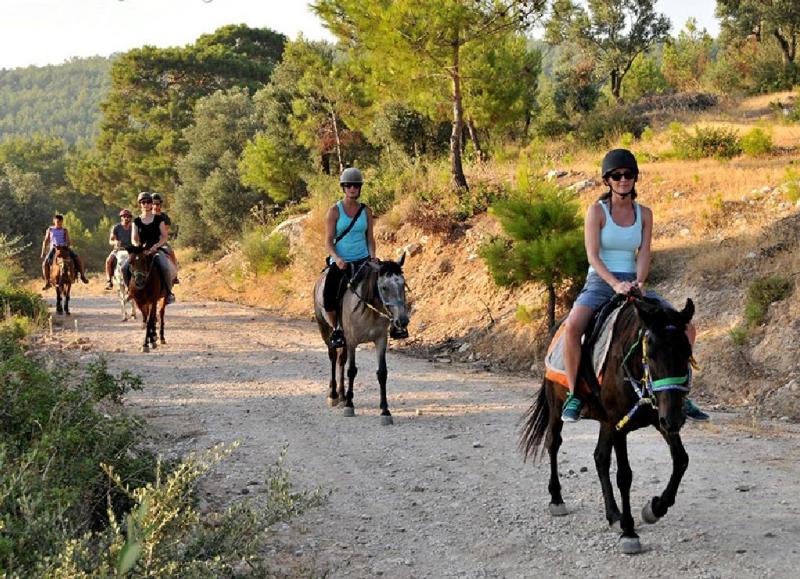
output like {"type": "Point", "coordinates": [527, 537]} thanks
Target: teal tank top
{"type": "Point", "coordinates": [352, 246]}
{"type": "Point", "coordinates": [618, 245]}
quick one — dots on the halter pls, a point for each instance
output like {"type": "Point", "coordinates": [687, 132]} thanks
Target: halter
{"type": "Point", "coordinates": [646, 387]}
{"type": "Point", "coordinates": [388, 313]}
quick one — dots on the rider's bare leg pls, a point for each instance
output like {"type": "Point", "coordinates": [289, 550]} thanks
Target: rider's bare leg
{"type": "Point", "coordinates": [46, 273]}
{"type": "Point", "coordinates": [111, 262]}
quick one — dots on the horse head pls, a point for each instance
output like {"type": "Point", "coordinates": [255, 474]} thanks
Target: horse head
{"type": "Point", "coordinates": [64, 268]}
{"type": "Point", "coordinates": [391, 286]}
{"type": "Point", "coordinates": [666, 359]}
{"type": "Point", "coordinates": [139, 264]}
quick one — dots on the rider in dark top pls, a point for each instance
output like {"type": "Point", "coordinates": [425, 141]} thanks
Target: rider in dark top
{"type": "Point", "coordinates": [167, 248]}
{"type": "Point", "coordinates": [150, 232]}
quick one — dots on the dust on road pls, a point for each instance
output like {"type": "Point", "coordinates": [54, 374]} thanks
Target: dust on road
{"type": "Point", "coordinates": [443, 492]}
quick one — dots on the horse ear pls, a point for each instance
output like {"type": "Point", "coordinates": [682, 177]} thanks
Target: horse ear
{"type": "Point", "coordinates": [402, 259]}
{"type": "Point", "coordinates": [688, 311]}
{"type": "Point", "coordinates": [646, 311]}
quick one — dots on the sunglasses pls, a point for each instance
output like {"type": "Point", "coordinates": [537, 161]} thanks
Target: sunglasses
{"type": "Point", "coordinates": [622, 175]}
{"type": "Point", "coordinates": [145, 202]}
{"type": "Point", "coordinates": [351, 185]}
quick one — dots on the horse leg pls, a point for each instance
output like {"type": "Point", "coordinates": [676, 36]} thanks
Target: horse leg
{"type": "Point", "coordinates": [602, 461]}
{"type": "Point", "coordinates": [145, 308]}
{"type": "Point", "coordinates": [552, 443]}
{"type": "Point", "coordinates": [151, 325]}
{"type": "Point", "coordinates": [341, 360]}
{"type": "Point", "coordinates": [161, 320]}
{"type": "Point", "coordinates": [629, 541]}
{"type": "Point", "coordinates": [386, 416]}
{"type": "Point", "coordinates": [657, 507]}
{"type": "Point", "coordinates": [59, 307]}
{"type": "Point", "coordinates": [333, 397]}
{"type": "Point", "coordinates": [352, 370]}
{"type": "Point", "coordinates": [66, 300]}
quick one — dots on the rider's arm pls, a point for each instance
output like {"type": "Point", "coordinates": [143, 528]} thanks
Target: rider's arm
{"type": "Point", "coordinates": [643, 256]}
{"type": "Point", "coordinates": [370, 234]}
{"type": "Point", "coordinates": [45, 242]}
{"type": "Point", "coordinates": [112, 239]}
{"type": "Point", "coordinates": [591, 239]}
{"type": "Point", "coordinates": [330, 235]}
{"type": "Point", "coordinates": [135, 235]}
{"type": "Point", "coordinates": [161, 240]}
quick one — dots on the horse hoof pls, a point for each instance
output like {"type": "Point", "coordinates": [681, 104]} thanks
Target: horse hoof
{"type": "Point", "coordinates": [630, 545]}
{"type": "Point", "coordinates": [153, 345]}
{"type": "Point", "coordinates": [349, 411]}
{"type": "Point", "coordinates": [145, 349]}
{"type": "Point", "coordinates": [558, 510]}
{"type": "Point", "coordinates": [163, 341]}
{"type": "Point", "coordinates": [386, 420]}
{"type": "Point", "coordinates": [647, 513]}
{"type": "Point", "coordinates": [333, 402]}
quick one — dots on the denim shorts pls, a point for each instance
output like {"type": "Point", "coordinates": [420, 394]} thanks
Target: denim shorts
{"type": "Point", "coordinates": [596, 291]}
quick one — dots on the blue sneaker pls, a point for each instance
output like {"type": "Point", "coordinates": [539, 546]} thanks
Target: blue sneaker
{"type": "Point", "coordinates": [693, 412]}
{"type": "Point", "coordinates": [572, 409]}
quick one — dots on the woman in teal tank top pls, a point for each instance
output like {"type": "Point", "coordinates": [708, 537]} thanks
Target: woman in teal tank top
{"type": "Point", "coordinates": [617, 235]}
{"type": "Point", "coordinates": [348, 246]}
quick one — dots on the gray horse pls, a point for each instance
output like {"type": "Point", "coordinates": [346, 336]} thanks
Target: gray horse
{"type": "Point", "coordinates": [125, 301]}
{"type": "Point", "coordinates": [373, 307]}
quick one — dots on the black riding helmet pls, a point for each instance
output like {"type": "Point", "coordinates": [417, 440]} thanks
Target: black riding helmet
{"type": "Point", "coordinates": [619, 159]}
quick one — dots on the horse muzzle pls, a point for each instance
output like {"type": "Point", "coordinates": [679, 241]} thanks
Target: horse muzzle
{"type": "Point", "coordinates": [398, 330]}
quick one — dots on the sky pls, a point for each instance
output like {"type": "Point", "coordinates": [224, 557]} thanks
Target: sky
{"type": "Point", "coordinates": [41, 32]}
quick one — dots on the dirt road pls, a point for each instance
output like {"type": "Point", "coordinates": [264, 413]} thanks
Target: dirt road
{"type": "Point", "coordinates": [443, 492]}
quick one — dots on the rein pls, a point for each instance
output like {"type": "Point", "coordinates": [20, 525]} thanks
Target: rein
{"type": "Point", "coordinates": [387, 314]}
{"type": "Point", "coordinates": [645, 387]}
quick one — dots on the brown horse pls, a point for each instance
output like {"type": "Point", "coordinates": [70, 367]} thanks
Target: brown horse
{"type": "Point", "coordinates": [149, 294]}
{"type": "Point", "coordinates": [645, 382]}
{"type": "Point", "coordinates": [62, 276]}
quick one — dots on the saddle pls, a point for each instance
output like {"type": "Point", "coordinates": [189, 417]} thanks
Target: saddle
{"type": "Point", "coordinates": [594, 348]}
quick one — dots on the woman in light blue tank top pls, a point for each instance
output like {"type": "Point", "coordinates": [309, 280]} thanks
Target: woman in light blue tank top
{"type": "Point", "coordinates": [617, 235]}
{"type": "Point", "coordinates": [348, 246]}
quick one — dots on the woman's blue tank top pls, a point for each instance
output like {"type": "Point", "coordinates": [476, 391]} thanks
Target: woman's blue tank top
{"type": "Point", "coordinates": [58, 236]}
{"type": "Point", "coordinates": [618, 245]}
{"type": "Point", "coordinates": [352, 246]}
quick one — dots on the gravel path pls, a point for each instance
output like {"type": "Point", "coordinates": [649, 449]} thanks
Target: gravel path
{"type": "Point", "coordinates": [443, 492]}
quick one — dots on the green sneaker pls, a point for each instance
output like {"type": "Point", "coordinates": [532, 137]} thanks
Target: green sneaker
{"type": "Point", "coordinates": [693, 412]}
{"type": "Point", "coordinates": [572, 409]}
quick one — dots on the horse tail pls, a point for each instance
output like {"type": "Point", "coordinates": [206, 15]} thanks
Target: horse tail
{"type": "Point", "coordinates": [535, 424]}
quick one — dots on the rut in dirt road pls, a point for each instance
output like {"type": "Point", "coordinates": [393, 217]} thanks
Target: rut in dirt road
{"type": "Point", "coordinates": [443, 492]}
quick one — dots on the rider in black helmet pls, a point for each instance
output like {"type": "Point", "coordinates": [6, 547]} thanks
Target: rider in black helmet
{"type": "Point", "coordinates": [618, 232]}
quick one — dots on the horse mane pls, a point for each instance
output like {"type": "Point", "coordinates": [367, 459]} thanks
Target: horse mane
{"type": "Point", "coordinates": [369, 281]}
{"type": "Point", "coordinates": [663, 319]}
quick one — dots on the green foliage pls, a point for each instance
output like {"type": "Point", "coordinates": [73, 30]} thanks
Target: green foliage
{"type": "Point", "coordinates": [21, 302]}
{"type": "Point", "coordinates": [791, 186]}
{"type": "Point", "coordinates": [543, 240]}
{"type": "Point", "coordinates": [211, 203]}
{"type": "Point", "coordinates": [53, 438]}
{"type": "Point", "coordinates": [44, 156]}
{"type": "Point", "coordinates": [59, 100]}
{"type": "Point", "coordinates": [611, 34]}
{"type": "Point", "coordinates": [643, 79]}
{"type": "Point", "coordinates": [687, 57]}
{"type": "Point", "coordinates": [26, 212]}
{"type": "Point", "coordinates": [151, 102]}
{"type": "Point", "coordinates": [607, 125]}
{"type": "Point", "coordinates": [265, 252]}
{"type": "Point", "coordinates": [738, 335]}
{"type": "Point", "coordinates": [762, 293]}
{"type": "Point", "coordinates": [756, 142]}
{"type": "Point", "coordinates": [716, 142]}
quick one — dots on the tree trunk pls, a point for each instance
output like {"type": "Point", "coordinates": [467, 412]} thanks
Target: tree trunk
{"type": "Point", "coordinates": [338, 142]}
{"type": "Point", "coordinates": [551, 306]}
{"type": "Point", "coordinates": [788, 49]}
{"type": "Point", "coordinates": [456, 169]}
{"type": "Point", "coordinates": [473, 135]}
{"type": "Point", "coordinates": [616, 85]}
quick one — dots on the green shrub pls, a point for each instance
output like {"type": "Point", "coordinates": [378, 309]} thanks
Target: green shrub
{"type": "Point", "coordinates": [791, 187]}
{"type": "Point", "coordinates": [716, 142]}
{"type": "Point", "coordinates": [761, 294]}
{"type": "Point", "coordinates": [738, 335]}
{"type": "Point", "coordinates": [648, 134]}
{"type": "Point", "coordinates": [266, 253]}
{"type": "Point", "coordinates": [21, 302]}
{"type": "Point", "coordinates": [608, 125]}
{"type": "Point", "coordinates": [756, 142]}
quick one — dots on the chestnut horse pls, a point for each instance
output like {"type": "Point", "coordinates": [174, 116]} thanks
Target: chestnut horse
{"type": "Point", "coordinates": [62, 276]}
{"type": "Point", "coordinates": [149, 294]}
{"type": "Point", "coordinates": [645, 381]}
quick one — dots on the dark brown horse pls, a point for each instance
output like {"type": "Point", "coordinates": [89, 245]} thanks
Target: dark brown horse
{"type": "Point", "coordinates": [62, 276]}
{"type": "Point", "coordinates": [149, 294]}
{"type": "Point", "coordinates": [645, 382]}
{"type": "Point", "coordinates": [373, 308]}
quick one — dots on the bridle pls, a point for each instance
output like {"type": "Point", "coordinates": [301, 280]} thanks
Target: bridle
{"type": "Point", "coordinates": [645, 387]}
{"type": "Point", "coordinates": [139, 275]}
{"type": "Point", "coordinates": [387, 313]}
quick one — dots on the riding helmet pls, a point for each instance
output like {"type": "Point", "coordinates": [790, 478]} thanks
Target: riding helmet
{"type": "Point", "coordinates": [156, 197]}
{"type": "Point", "coordinates": [351, 175]}
{"type": "Point", "coordinates": [144, 196]}
{"type": "Point", "coordinates": [125, 212]}
{"type": "Point", "coordinates": [619, 159]}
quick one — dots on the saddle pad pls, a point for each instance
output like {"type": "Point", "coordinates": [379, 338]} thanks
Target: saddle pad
{"type": "Point", "coordinates": [554, 360]}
